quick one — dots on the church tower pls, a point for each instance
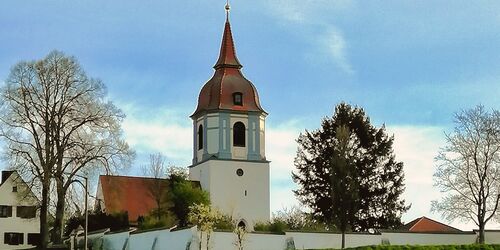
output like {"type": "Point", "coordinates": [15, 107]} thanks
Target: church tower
{"type": "Point", "coordinates": [229, 156]}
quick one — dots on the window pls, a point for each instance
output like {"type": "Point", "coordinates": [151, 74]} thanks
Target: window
{"type": "Point", "coordinates": [239, 134]}
{"type": "Point", "coordinates": [200, 137]}
{"type": "Point", "coordinates": [242, 225]}
{"type": "Point", "coordinates": [13, 238]}
{"type": "Point", "coordinates": [34, 239]}
{"type": "Point", "coordinates": [238, 98]}
{"type": "Point", "coordinates": [5, 211]}
{"type": "Point", "coordinates": [14, 189]}
{"type": "Point", "coordinates": [26, 212]}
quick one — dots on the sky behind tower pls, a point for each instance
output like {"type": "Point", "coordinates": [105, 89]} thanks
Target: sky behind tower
{"type": "Point", "coordinates": [409, 64]}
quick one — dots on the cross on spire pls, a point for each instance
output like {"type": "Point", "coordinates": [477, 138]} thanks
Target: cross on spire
{"type": "Point", "coordinates": [227, 7]}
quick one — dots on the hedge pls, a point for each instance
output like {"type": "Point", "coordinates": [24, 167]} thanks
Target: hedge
{"type": "Point", "coordinates": [430, 247]}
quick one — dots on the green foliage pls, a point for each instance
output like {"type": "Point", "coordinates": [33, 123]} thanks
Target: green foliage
{"type": "Point", "coordinates": [290, 219]}
{"type": "Point", "coordinates": [429, 247]}
{"type": "Point", "coordinates": [225, 223]}
{"type": "Point", "coordinates": [167, 219]}
{"type": "Point", "coordinates": [295, 219]}
{"type": "Point", "coordinates": [97, 221]}
{"type": "Point", "coordinates": [185, 194]}
{"type": "Point", "coordinates": [205, 218]}
{"type": "Point", "coordinates": [275, 226]}
{"type": "Point", "coordinates": [348, 165]}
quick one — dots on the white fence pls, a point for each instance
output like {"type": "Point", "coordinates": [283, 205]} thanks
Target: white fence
{"type": "Point", "coordinates": [187, 239]}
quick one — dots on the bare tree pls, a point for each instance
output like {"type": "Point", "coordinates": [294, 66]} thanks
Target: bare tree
{"type": "Point", "coordinates": [57, 123]}
{"type": "Point", "coordinates": [468, 170]}
{"type": "Point", "coordinates": [157, 189]}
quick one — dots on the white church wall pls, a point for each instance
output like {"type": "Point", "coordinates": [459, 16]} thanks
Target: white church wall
{"type": "Point", "coordinates": [396, 238]}
{"type": "Point", "coordinates": [201, 173]}
{"type": "Point", "coordinates": [244, 196]}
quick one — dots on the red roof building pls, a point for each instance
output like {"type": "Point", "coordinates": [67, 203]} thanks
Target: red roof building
{"type": "Point", "coordinates": [424, 224]}
{"type": "Point", "coordinates": [135, 195]}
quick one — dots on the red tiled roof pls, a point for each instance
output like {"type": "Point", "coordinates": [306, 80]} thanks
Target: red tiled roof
{"type": "Point", "coordinates": [132, 194]}
{"type": "Point", "coordinates": [424, 224]}
{"type": "Point", "coordinates": [217, 93]}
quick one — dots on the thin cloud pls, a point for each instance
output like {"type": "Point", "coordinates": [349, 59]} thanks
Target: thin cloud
{"type": "Point", "coordinates": [311, 14]}
{"type": "Point", "coordinates": [336, 45]}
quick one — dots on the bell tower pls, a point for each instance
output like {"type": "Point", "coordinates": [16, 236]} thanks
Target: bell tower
{"type": "Point", "coordinates": [229, 140]}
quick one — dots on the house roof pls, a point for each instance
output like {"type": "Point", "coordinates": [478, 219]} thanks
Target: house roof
{"type": "Point", "coordinates": [135, 195]}
{"type": "Point", "coordinates": [424, 224]}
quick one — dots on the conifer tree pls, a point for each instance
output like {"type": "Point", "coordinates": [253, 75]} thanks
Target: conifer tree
{"type": "Point", "coordinates": [347, 173]}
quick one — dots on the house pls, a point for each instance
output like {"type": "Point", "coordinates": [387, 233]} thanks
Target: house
{"type": "Point", "coordinates": [19, 218]}
{"type": "Point", "coordinates": [424, 224]}
{"type": "Point", "coordinates": [134, 195]}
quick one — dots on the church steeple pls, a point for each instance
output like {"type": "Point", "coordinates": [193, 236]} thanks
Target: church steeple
{"type": "Point", "coordinates": [229, 158]}
{"type": "Point", "coordinates": [227, 55]}
{"type": "Point", "coordinates": [228, 89]}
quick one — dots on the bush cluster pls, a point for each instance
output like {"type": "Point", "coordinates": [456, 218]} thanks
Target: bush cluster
{"type": "Point", "coordinates": [432, 247]}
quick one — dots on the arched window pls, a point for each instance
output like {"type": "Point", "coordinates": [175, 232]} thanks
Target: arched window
{"type": "Point", "coordinates": [239, 134]}
{"type": "Point", "coordinates": [238, 98]}
{"type": "Point", "coordinates": [242, 225]}
{"type": "Point", "coordinates": [200, 137]}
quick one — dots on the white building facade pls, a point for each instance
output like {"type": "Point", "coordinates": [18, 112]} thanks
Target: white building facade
{"type": "Point", "coordinates": [19, 218]}
{"type": "Point", "coordinates": [229, 141]}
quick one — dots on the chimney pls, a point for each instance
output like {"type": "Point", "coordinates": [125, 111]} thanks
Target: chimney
{"type": "Point", "coordinates": [5, 175]}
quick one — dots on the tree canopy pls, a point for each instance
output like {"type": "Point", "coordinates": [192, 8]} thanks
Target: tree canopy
{"type": "Point", "coordinates": [347, 173]}
{"type": "Point", "coordinates": [468, 168]}
{"type": "Point", "coordinates": [57, 123]}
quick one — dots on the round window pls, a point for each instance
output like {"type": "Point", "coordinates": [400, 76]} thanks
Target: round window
{"type": "Point", "coordinates": [239, 172]}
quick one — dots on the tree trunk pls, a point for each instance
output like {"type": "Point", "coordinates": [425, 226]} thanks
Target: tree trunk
{"type": "Point", "coordinates": [59, 221]}
{"type": "Point", "coordinates": [44, 225]}
{"type": "Point", "coordinates": [343, 239]}
{"type": "Point", "coordinates": [481, 233]}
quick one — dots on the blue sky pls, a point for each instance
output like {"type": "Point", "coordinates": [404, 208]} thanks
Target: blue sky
{"type": "Point", "coordinates": [410, 64]}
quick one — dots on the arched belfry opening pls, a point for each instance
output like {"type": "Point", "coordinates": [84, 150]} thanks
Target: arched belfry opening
{"type": "Point", "coordinates": [239, 134]}
{"type": "Point", "coordinates": [200, 137]}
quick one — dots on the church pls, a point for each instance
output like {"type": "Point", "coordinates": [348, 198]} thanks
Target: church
{"type": "Point", "coordinates": [229, 160]}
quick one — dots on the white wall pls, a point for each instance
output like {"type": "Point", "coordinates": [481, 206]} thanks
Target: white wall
{"type": "Point", "coordinates": [306, 240]}
{"type": "Point", "coordinates": [115, 241]}
{"type": "Point", "coordinates": [23, 197]}
{"type": "Point", "coordinates": [145, 240]}
{"type": "Point", "coordinates": [178, 240]}
{"type": "Point", "coordinates": [428, 238]}
{"type": "Point", "coordinates": [492, 237]}
{"type": "Point", "coordinates": [227, 189]}
{"type": "Point", "coordinates": [253, 241]}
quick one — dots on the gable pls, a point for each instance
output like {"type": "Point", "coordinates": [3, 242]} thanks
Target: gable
{"type": "Point", "coordinates": [135, 195]}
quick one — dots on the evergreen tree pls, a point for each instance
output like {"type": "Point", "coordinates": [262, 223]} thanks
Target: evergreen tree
{"type": "Point", "coordinates": [347, 173]}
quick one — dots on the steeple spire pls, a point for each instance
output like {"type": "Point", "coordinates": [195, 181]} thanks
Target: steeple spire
{"type": "Point", "coordinates": [227, 55]}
